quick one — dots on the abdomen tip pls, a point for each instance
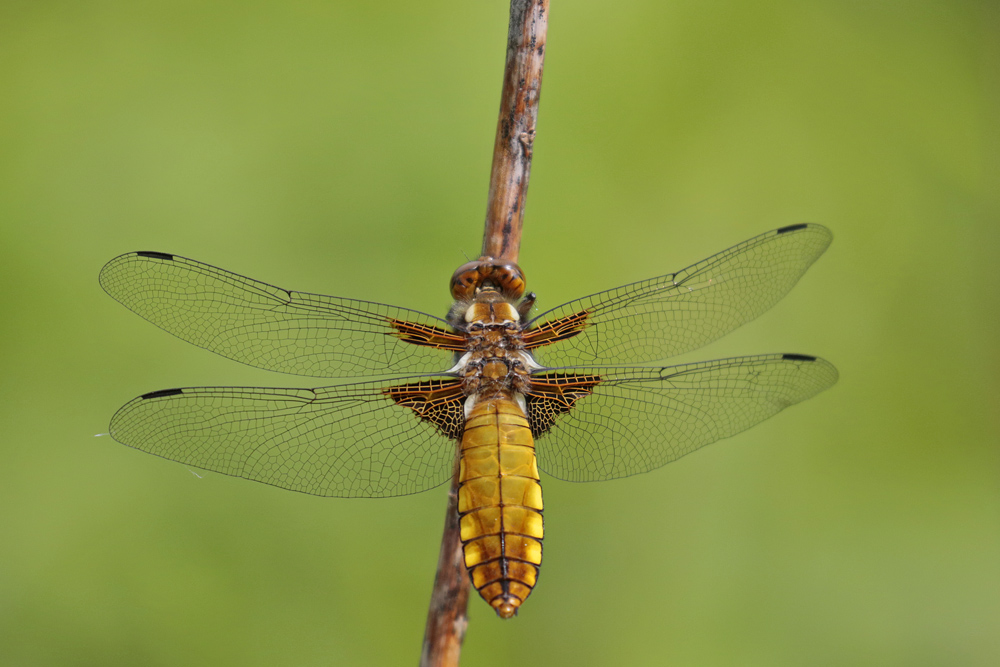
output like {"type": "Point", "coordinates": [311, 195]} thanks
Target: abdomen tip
{"type": "Point", "coordinates": [506, 610]}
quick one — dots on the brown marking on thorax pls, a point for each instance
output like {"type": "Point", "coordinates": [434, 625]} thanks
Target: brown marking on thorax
{"type": "Point", "coordinates": [493, 329]}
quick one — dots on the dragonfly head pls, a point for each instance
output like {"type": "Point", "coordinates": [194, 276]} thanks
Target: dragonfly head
{"type": "Point", "coordinates": [487, 273]}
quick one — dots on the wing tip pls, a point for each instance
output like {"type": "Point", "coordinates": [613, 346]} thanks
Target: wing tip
{"type": "Point", "coordinates": [801, 226]}
{"type": "Point", "coordinates": [109, 271]}
{"type": "Point", "coordinates": [827, 371]}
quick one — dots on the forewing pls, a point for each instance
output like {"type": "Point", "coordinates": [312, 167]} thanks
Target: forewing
{"type": "Point", "coordinates": [623, 421]}
{"type": "Point", "coordinates": [676, 313]}
{"type": "Point", "coordinates": [273, 328]}
{"type": "Point", "coordinates": [352, 441]}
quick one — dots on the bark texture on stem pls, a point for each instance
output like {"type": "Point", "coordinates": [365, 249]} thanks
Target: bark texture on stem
{"type": "Point", "coordinates": [522, 84]}
{"type": "Point", "coordinates": [446, 618]}
{"type": "Point", "coordinates": [512, 149]}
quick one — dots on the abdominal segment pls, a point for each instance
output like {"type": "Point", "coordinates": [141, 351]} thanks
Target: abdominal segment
{"type": "Point", "coordinates": [500, 504]}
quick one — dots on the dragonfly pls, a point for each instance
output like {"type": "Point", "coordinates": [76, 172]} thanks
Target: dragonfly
{"type": "Point", "coordinates": [490, 392]}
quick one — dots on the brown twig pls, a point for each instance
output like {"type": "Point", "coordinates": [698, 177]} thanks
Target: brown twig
{"type": "Point", "coordinates": [522, 82]}
{"type": "Point", "coordinates": [446, 618]}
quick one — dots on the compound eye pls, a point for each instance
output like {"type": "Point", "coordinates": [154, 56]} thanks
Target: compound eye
{"type": "Point", "coordinates": [484, 273]}
{"type": "Point", "coordinates": [465, 280]}
{"type": "Point", "coordinates": [509, 278]}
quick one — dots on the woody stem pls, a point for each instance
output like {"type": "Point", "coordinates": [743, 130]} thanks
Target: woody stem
{"type": "Point", "coordinates": [512, 151]}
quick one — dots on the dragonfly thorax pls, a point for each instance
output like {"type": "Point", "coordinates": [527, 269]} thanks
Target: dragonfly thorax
{"type": "Point", "coordinates": [495, 362]}
{"type": "Point", "coordinates": [493, 373]}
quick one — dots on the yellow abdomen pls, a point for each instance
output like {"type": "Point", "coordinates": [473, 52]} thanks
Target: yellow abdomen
{"type": "Point", "coordinates": [500, 504]}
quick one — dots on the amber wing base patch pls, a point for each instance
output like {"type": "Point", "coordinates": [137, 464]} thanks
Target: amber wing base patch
{"type": "Point", "coordinates": [556, 330]}
{"type": "Point", "coordinates": [555, 394]}
{"type": "Point", "coordinates": [439, 402]}
{"type": "Point", "coordinates": [427, 336]}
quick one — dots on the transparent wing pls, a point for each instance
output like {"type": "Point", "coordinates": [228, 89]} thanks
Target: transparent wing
{"type": "Point", "coordinates": [350, 441]}
{"type": "Point", "coordinates": [272, 328]}
{"type": "Point", "coordinates": [626, 421]}
{"type": "Point", "coordinates": [676, 313]}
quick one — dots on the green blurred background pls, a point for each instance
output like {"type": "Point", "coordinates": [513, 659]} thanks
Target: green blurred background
{"type": "Point", "coordinates": [344, 148]}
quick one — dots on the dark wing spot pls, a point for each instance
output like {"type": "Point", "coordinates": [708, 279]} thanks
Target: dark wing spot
{"type": "Point", "coordinates": [792, 228]}
{"type": "Point", "coordinates": [161, 393]}
{"type": "Point", "coordinates": [798, 357]}
{"type": "Point", "coordinates": [154, 255]}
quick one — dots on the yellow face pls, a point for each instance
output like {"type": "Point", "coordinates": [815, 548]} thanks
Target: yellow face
{"type": "Point", "coordinates": [492, 312]}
